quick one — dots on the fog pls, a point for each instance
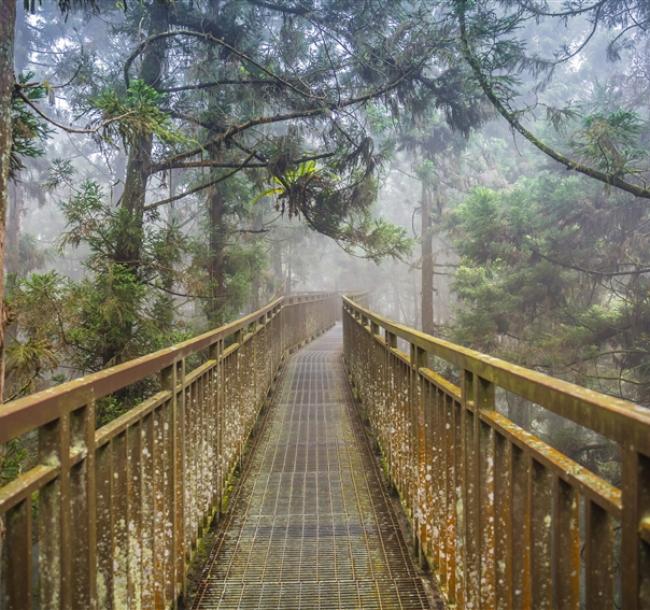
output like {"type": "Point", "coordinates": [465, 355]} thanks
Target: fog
{"type": "Point", "coordinates": [529, 260]}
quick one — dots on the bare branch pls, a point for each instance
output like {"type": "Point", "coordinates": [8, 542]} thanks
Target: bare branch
{"type": "Point", "coordinates": [219, 41]}
{"type": "Point", "coordinates": [157, 204]}
{"type": "Point", "coordinates": [69, 128]}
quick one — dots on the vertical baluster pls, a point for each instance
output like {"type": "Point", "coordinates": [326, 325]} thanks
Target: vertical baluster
{"type": "Point", "coordinates": [200, 456]}
{"type": "Point", "coordinates": [484, 398]}
{"type": "Point", "coordinates": [170, 502]}
{"type": "Point", "coordinates": [520, 517]}
{"type": "Point", "coordinates": [55, 553]}
{"type": "Point", "coordinates": [415, 425]}
{"type": "Point", "coordinates": [391, 403]}
{"type": "Point", "coordinates": [160, 535]}
{"type": "Point", "coordinates": [449, 515]}
{"type": "Point", "coordinates": [170, 378]}
{"type": "Point", "coordinates": [503, 489]}
{"type": "Point", "coordinates": [19, 556]}
{"type": "Point", "coordinates": [120, 522]}
{"type": "Point", "coordinates": [104, 483]}
{"type": "Point", "coordinates": [134, 448]}
{"type": "Point", "coordinates": [204, 430]}
{"type": "Point", "coordinates": [471, 489]}
{"type": "Point", "coordinates": [190, 432]}
{"type": "Point", "coordinates": [636, 530]}
{"type": "Point", "coordinates": [148, 504]}
{"type": "Point", "coordinates": [460, 502]}
{"type": "Point", "coordinates": [599, 549]}
{"type": "Point", "coordinates": [433, 476]}
{"type": "Point", "coordinates": [541, 534]}
{"type": "Point", "coordinates": [566, 547]}
{"type": "Point", "coordinates": [83, 493]}
{"type": "Point", "coordinates": [221, 419]}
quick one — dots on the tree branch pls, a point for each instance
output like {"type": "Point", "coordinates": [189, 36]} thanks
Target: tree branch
{"type": "Point", "coordinates": [288, 116]}
{"type": "Point", "coordinates": [219, 41]}
{"type": "Point", "coordinates": [69, 128]}
{"type": "Point", "coordinates": [610, 179]}
{"type": "Point", "coordinates": [152, 206]}
{"type": "Point", "coordinates": [218, 83]}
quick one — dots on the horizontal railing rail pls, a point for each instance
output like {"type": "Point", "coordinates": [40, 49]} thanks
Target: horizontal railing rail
{"type": "Point", "coordinates": [504, 519]}
{"type": "Point", "coordinates": [110, 518]}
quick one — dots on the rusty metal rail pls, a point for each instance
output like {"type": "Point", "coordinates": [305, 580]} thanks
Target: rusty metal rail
{"type": "Point", "coordinates": [504, 520]}
{"type": "Point", "coordinates": [110, 518]}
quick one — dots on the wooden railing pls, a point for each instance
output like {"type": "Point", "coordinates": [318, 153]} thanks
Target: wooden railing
{"type": "Point", "coordinates": [109, 518]}
{"type": "Point", "coordinates": [503, 519]}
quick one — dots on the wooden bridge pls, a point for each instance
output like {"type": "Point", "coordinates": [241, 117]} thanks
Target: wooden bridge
{"type": "Point", "coordinates": [485, 514]}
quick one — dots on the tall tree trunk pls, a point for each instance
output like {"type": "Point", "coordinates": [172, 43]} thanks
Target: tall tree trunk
{"type": "Point", "coordinates": [427, 262]}
{"type": "Point", "coordinates": [12, 258]}
{"type": "Point", "coordinates": [276, 261]}
{"type": "Point", "coordinates": [128, 251]}
{"type": "Point", "coordinates": [289, 282]}
{"type": "Point", "coordinates": [397, 307]}
{"type": "Point", "coordinates": [217, 256]}
{"type": "Point", "coordinates": [256, 283]}
{"type": "Point", "coordinates": [128, 248]}
{"type": "Point", "coordinates": [7, 32]}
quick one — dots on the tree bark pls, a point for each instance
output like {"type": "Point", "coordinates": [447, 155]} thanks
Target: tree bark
{"type": "Point", "coordinates": [7, 32]}
{"type": "Point", "coordinates": [128, 250]}
{"type": "Point", "coordinates": [427, 262]}
{"type": "Point", "coordinates": [217, 256]}
{"type": "Point", "coordinates": [12, 245]}
{"type": "Point", "coordinates": [276, 259]}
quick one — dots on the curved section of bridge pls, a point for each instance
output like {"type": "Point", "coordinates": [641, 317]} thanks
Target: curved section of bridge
{"type": "Point", "coordinates": [311, 526]}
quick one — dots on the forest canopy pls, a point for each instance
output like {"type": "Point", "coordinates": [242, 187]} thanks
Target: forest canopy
{"type": "Point", "coordinates": [196, 158]}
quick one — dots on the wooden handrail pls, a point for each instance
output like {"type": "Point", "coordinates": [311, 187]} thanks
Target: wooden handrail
{"type": "Point", "coordinates": [504, 519]}
{"type": "Point", "coordinates": [111, 517]}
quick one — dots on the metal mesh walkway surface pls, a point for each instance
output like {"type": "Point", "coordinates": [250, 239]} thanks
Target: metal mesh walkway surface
{"type": "Point", "coordinates": [310, 526]}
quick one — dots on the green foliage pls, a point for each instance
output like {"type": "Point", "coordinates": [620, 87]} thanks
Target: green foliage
{"type": "Point", "coordinates": [540, 284]}
{"type": "Point", "coordinates": [293, 186]}
{"type": "Point", "coordinates": [12, 458]}
{"type": "Point", "coordinates": [109, 307]}
{"type": "Point", "coordinates": [34, 346]}
{"type": "Point", "coordinates": [117, 312]}
{"type": "Point", "coordinates": [29, 131]}
{"type": "Point", "coordinates": [611, 141]}
{"type": "Point", "coordinates": [375, 238]}
{"type": "Point", "coordinates": [61, 172]}
{"type": "Point", "coordinates": [135, 114]}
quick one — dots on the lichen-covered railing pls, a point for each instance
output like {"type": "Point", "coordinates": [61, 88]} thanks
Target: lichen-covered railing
{"type": "Point", "coordinates": [109, 518]}
{"type": "Point", "coordinates": [503, 519]}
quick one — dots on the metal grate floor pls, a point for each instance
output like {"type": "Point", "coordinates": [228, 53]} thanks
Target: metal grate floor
{"type": "Point", "coordinates": [310, 526]}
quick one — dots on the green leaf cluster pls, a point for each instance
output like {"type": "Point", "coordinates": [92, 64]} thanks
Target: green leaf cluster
{"type": "Point", "coordinates": [29, 131]}
{"type": "Point", "coordinates": [136, 113]}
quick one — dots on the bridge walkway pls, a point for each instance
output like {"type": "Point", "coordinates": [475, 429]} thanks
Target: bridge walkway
{"type": "Point", "coordinates": [310, 525]}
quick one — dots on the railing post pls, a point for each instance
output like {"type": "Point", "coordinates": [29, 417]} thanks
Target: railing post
{"type": "Point", "coordinates": [55, 552]}
{"type": "Point", "coordinates": [635, 551]}
{"type": "Point", "coordinates": [214, 353]}
{"type": "Point", "coordinates": [484, 399]}
{"type": "Point", "coordinates": [419, 359]}
{"type": "Point", "coordinates": [391, 398]}
{"type": "Point", "coordinates": [84, 530]}
{"type": "Point", "coordinates": [476, 520]}
{"type": "Point", "coordinates": [169, 381]}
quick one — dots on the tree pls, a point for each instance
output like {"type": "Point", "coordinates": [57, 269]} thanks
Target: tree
{"type": "Point", "coordinates": [607, 147]}
{"type": "Point", "coordinates": [7, 25]}
{"type": "Point", "coordinates": [555, 275]}
{"type": "Point", "coordinates": [432, 142]}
